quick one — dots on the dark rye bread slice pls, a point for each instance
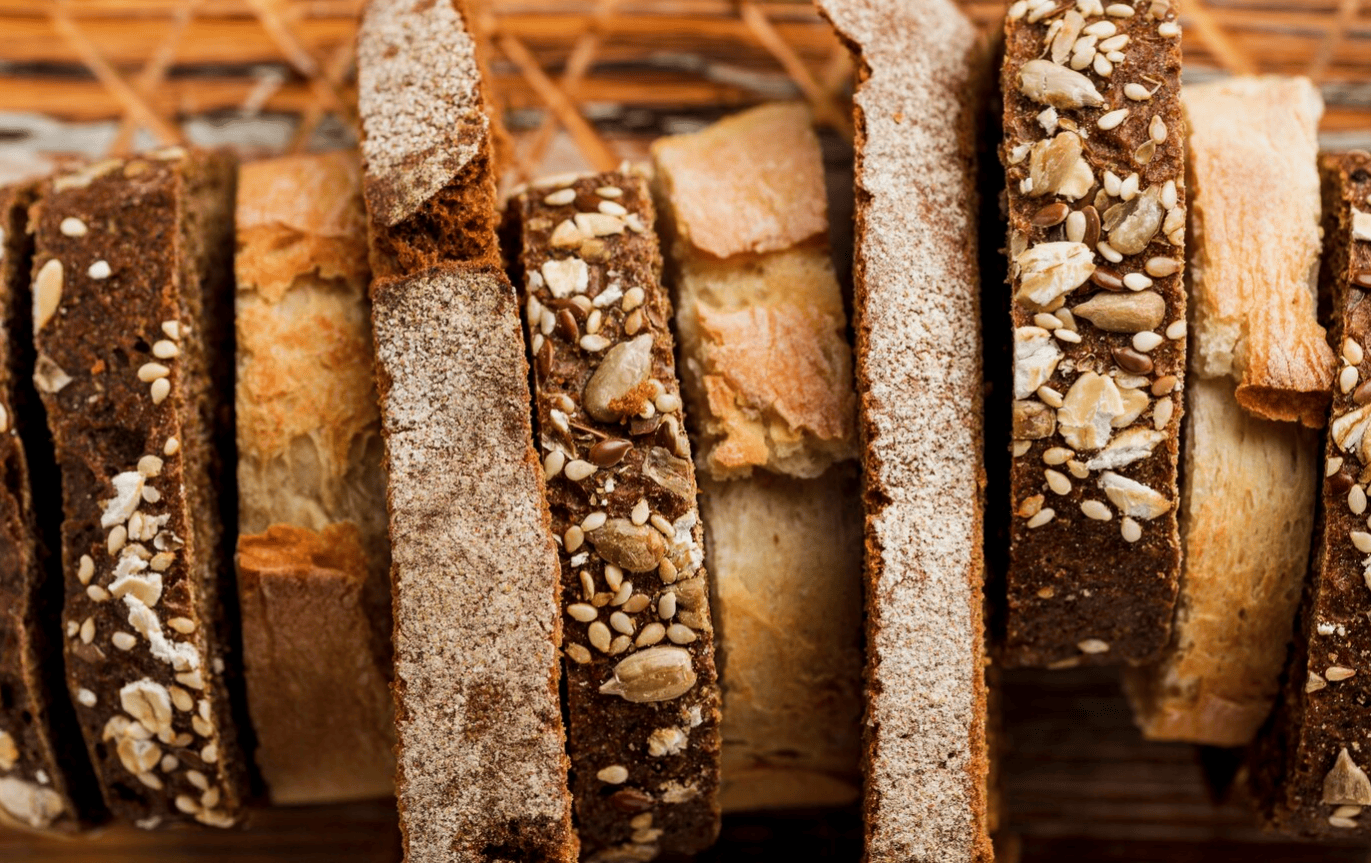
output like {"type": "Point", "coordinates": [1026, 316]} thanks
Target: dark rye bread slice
{"type": "Point", "coordinates": [1096, 196]}
{"type": "Point", "coordinates": [482, 766]}
{"type": "Point", "coordinates": [642, 691]}
{"type": "Point", "coordinates": [923, 76]}
{"type": "Point", "coordinates": [132, 313]}
{"type": "Point", "coordinates": [45, 778]}
{"type": "Point", "coordinates": [1308, 767]}
{"type": "Point", "coordinates": [429, 187]}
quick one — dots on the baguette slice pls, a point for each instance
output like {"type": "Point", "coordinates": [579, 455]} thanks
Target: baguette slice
{"type": "Point", "coordinates": [131, 306]}
{"type": "Point", "coordinates": [1309, 765]}
{"type": "Point", "coordinates": [642, 692]}
{"type": "Point", "coordinates": [918, 356]}
{"type": "Point", "coordinates": [483, 771]}
{"type": "Point", "coordinates": [1247, 508]}
{"type": "Point", "coordinates": [313, 556]}
{"type": "Point", "coordinates": [767, 373]}
{"type": "Point", "coordinates": [1093, 155]}
{"type": "Point", "coordinates": [46, 783]}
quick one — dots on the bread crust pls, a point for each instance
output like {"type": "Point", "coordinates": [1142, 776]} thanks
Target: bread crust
{"type": "Point", "coordinates": [1302, 782]}
{"type": "Point", "coordinates": [918, 370]}
{"type": "Point", "coordinates": [145, 642]}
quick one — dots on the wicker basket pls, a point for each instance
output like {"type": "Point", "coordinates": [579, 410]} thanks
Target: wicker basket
{"type": "Point", "coordinates": [588, 82]}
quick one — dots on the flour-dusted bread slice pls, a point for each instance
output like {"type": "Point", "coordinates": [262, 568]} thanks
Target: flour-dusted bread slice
{"type": "Point", "coordinates": [1247, 508]}
{"type": "Point", "coordinates": [46, 782]}
{"type": "Point", "coordinates": [426, 139]}
{"type": "Point", "coordinates": [923, 78]}
{"type": "Point", "coordinates": [767, 375]}
{"type": "Point", "coordinates": [1092, 149]}
{"type": "Point", "coordinates": [642, 692]}
{"type": "Point", "coordinates": [131, 309]}
{"type": "Point", "coordinates": [483, 771]}
{"type": "Point", "coordinates": [313, 554]}
{"type": "Point", "coordinates": [1309, 765]}
{"type": "Point", "coordinates": [475, 579]}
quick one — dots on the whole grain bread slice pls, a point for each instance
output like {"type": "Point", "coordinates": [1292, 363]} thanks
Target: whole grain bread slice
{"type": "Point", "coordinates": [46, 782]}
{"type": "Point", "coordinates": [131, 317]}
{"type": "Point", "coordinates": [922, 75]}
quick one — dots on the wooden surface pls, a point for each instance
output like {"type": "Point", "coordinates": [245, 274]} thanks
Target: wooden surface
{"type": "Point", "coordinates": [1080, 785]}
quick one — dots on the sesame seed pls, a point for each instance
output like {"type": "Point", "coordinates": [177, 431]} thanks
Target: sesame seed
{"type": "Point", "coordinates": [1162, 267]}
{"type": "Point", "coordinates": [666, 570]}
{"type": "Point", "coordinates": [667, 402]}
{"type": "Point", "coordinates": [621, 623]}
{"type": "Point", "coordinates": [679, 633]}
{"type": "Point", "coordinates": [1157, 129]}
{"type": "Point", "coordinates": [161, 388]}
{"type": "Point", "coordinates": [614, 576]}
{"type": "Point", "coordinates": [610, 208]}
{"type": "Point", "coordinates": [577, 470]}
{"type": "Point", "coordinates": [1356, 500]}
{"type": "Point", "coordinates": [171, 447]}
{"type": "Point", "coordinates": [615, 774]}
{"type": "Point", "coordinates": [1112, 183]}
{"type": "Point", "coordinates": [165, 349]}
{"type": "Point", "coordinates": [1338, 672]}
{"type": "Point", "coordinates": [193, 679]}
{"type": "Point", "coordinates": [1047, 320]}
{"type": "Point", "coordinates": [186, 804]}
{"type": "Point", "coordinates": [1096, 510]}
{"type": "Point", "coordinates": [1042, 517]}
{"type": "Point", "coordinates": [149, 465]}
{"type": "Point", "coordinates": [560, 198]}
{"type": "Point", "coordinates": [1017, 10]}
{"type": "Point", "coordinates": [149, 372]}
{"type": "Point", "coordinates": [1131, 530]}
{"type": "Point", "coordinates": [1168, 29]}
{"type": "Point", "coordinates": [1161, 414]}
{"type": "Point", "coordinates": [1334, 465]}
{"type": "Point", "coordinates": [162, 561]}
{"type": "Point", "coordinates": [578, 653]}
{"type": "Point", "coordinates": [1128, 189]}
{"type": "Point", "coordinates": [1146, 341]}
{"type": "Point", "coordinates": [1019, 447]}
{"type": "Point", "coordinates": [553, 463]}
{"type": "Point", "coordinates": [123, 640]}
{"type": "Point", "coordinates": [1067, 335]}
{"type": "Point", "coordinates": [1057, 481]}
{"type": "Point", "coordinates": [574, 538]}
{"type": "Point", "coordinates": [1137, 92]}
{"type": "Point", "coordinates": [622, 594]}
{"type": "Point", "coordinates": [1108, 252]}
{"type": "Point", "coordinates": [85, 570]}
{"type": "Point", "coordinates": [1115, 43]}
{"type": "Point", "coordinates": [183, 625]}
{"type": "Point", "coordinates": [117, 537]}
{"type": "Point", "coordinates": [172, 329]}
{"type": "Point", "coordinates": [610, 192]}
{"type": "Point", "coordinates": [1115, 56]}
{"type": "Point", "coordinates": [97, 593]}
{"type": "Point", "coordinates": [594, 521]}
{"type": "Point", "coordinates": [1348, 379]}
{"type": "Point", "coordinates": [634, 322]}
{"type": "Point", "coordinates": [660, 522]}
{"type": "Point", "coordinates": [1335, 821]}
{"type": "Point", "coordinates": [594, 343]}
{"type": "Point", "coordinates": [1093, 645]}
{"type": "Point", "coordinates": [1347, 811]}
{"type": "Point", "coordinates": [633, 298]}
{"type": "Point", "coordinates": [598, 634]}
{"type": "Point", "coordinates": [1101, 29]}
{"type": "Point", "coordinates": [636, 603]}
{"type": "Point", "coordinates": [666, 606]}
{"type": "Point", "coordinates": [99, 270]}
{"type": "Point", "coordinates": [1112, 119]}
{"type": "Point", "coordinates": [88, 630]}
{"type": "Point", "coordinates": [1057, 455]}
{"type": "Point", "coordinates": [72, 628]}
{"type": "Point", "coordinates": [1050, 397]}
{"type": "Point", "coordinates": [72, 227]}
{"type": "Point", "coordinates": [1176, 330]}
{"type": "Point", "coordinates": [85, 697]}
{"type": "Point", "coordinates": [640, 512]}
{"type": "Point", "coordinates": [1362, 540]}
{"type": "Point", "coordinates": [210, 754]}
{"type": "Point", "coordinates": [1352, 351]}
{"type": "Point", "coordinates": [587, 584]}
{"type": "Point", "coordinates": [1102, 66]}
{"type": "Point", "coordinates": [1075, 226]}
{"type": "Point", "coordinates": [1136, 281]}
{"type": "Point", "coordinates": [651, 634]}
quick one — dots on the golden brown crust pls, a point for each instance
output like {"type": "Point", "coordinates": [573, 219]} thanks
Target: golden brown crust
{"type": "Point", "coordinates": [319, 699]}
{"type": "Point", "coordinates": [1256, 205]}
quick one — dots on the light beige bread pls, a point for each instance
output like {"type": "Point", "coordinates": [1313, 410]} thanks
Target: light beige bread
{"type": "Point", "coordinates": [918, 362]}
{"type": "Point", "coordinates": [1259, 356]}
{"type": "Point", "coordinates": [768, 377]}
{"type": "Point", "coordinates": [313, 556]}
{"type": "Point", "coordinates": [482, 767]}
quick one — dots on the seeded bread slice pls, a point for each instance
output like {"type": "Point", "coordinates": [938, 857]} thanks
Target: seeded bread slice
{"type": "Point", "coordinates": [313, 556]}
{"type": "Point", "coordinates": [131, 308]}
{"type": "Point", "coordinates": [1247, 508]}
{"type": "Point", "coordinates": [1309, 765]}
{"type": "Point", "coordinates": [1092, 152]}
{"type": "Point", "coordinates": [483, 771]}
{"type": "Point", "coordinates": [426, 143]}
{"type": "Point", "coordinates": [923, 76]}
{"type": "Point", "coordinates": [46, 781]}
{"type": "Point", "coordinates": [642, 693]}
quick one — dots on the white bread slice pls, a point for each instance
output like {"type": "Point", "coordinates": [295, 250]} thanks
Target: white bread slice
{"type": "Point", "coordinates": [922, 72]}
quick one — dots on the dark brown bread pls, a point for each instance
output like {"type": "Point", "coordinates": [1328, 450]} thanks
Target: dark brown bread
{"type": "Point", "coordinates": [642, 692]}
{"type": "Point", "coordinates": [1308, 767]}
{"type": "Point", "coordinates": [1096, 196]}
{"type": "Point", "coordinates": [45, 779]}
{"type": "Point", "coordinates": [132, 306]}
{"type": "Point", "coordinates": [482, 766]}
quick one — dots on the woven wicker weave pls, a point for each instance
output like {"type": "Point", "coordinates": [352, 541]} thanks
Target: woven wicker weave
{"type": "Point", "coordinates": [151, 63]}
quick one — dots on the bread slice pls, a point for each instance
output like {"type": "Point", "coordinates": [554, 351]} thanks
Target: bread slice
{"type": "Point", "coordinates": [767, 373]}
{"type": "Point", "coordinates": [313, 555]}
{"type": "Point", "coordinates": [642, 692]}
{"type": "Point", "coordinates": [924, 74]}
{"type": "Point", "coordinates": [482, 768]}
{"type": "Point", "coordinates": [1093, 156]}
{"type": "Point", "coordinates": [1248, 506]}
{"type": "Point", "coordinates": [46, 783]}
{"type": "Point", "coordinates": [1308, 767]}
{"type": "Point", "coordinates": [426, 143]}
{"type": "Point", "coordinates": [131, 299]}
